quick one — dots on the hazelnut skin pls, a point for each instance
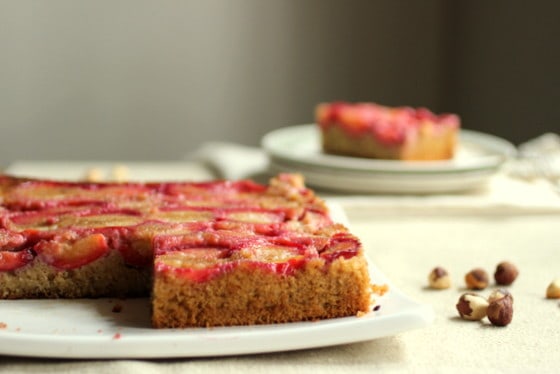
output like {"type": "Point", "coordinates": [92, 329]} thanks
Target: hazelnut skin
{"type": "Point", "coordinates": [553, 290]}
{"type": "Point", "coordinates": [505, 273]}
{"type": "Point", "coordinates": [439, 278]}
{"type": "Point", "coordinates": [500, 311]}
{"type": "Point", "coordinates": [476, 279]}
{"type": "Point", "coordinates": [498, 294]}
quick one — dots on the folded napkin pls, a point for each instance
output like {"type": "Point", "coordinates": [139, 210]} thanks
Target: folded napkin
{"type": "Point", "coordinates": [539, 158]}
{"type": "Point", "coordinates": [504, 193]}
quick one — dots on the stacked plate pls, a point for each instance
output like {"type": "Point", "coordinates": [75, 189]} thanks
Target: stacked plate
{"type": "Point", "coordinates": [298, 149]}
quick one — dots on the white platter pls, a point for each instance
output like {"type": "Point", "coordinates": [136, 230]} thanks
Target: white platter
{"type": "Point", "coordinates": [89, 329]}
{"type": "Point", "coordinates": [298, 149]}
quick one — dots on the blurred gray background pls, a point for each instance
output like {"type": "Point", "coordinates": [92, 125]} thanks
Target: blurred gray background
{"type": "Point", "coordinates": [141, 80]}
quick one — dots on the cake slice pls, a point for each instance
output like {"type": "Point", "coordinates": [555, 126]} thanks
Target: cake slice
{"type": "Point", "coordinates": [256, 279]}
{"type": "Point", "coordinates": [398, 133]}
{"type": "Point", "coordinates": [218, 253]}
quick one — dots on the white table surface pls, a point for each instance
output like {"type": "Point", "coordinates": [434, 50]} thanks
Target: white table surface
{"type": "Point", "coordinates": [406, 243]}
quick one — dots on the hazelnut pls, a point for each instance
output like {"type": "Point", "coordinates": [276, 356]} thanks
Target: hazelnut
{"type": "Point", "coordinates": [505, 273]}
{"type": "Point", "coordinates": [472, 306]}
{"type": "Point", "coordinates": [553, 290]}
{"type": "Point", "coordinates": [439, 278]}
{"type": "Point", "coordinates": [498, 294]}
{"type": "Point", "coordinates": [476, 279]}
{"type": "Point", "coordinates": [120, 173]}
{"type": "Point", "coordinates": [94, 175]}
{"type": "Point", "coordinates": [500, 311]}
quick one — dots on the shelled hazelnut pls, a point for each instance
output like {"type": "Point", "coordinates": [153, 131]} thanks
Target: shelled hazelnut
{"type": "Point", "coordinates": [439, 278]}
{"type": "Point", "coordinates": [553, 290]}
{"type": "Point", "coordinates": [500, 311]}
{"type": "Point", "coordinates": [472, 307]}
{"type": "Point", "coordinates": [505, 273]}
{"type": "Point", "coordinates": [476, 279]}
{"type": "Point", "coordinates": [120, 173]}
{"type": "Point", "coordinates": [94, 175]}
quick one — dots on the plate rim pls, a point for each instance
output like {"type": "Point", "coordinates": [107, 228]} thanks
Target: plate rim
{"type": "Point", "coordinates": [500, 150]}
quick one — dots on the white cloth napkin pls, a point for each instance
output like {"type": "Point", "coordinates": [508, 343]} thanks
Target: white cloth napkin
{"type": "Point", "coordinates": [503, 193]}
{"type": "Point", "coordinates": [539, 157]}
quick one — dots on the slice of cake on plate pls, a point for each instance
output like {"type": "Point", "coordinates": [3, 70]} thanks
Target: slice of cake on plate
{"type": "Point", "coordinates": [397, 133]}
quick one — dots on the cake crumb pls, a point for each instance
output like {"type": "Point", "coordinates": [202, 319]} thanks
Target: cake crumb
{"type": "Point", "coordinates": [360, 314]}
{"type": "Point", "coordinates": [3, 325]}
{"type": "Point", "coordinates": [117, 336]}
{"type": "Point", "coordinates": [117, 308]}
{"type": "Point", "coordinates": [379, 289]}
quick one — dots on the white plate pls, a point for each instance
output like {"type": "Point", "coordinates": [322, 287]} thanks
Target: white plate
{"type": "Point", "coordinates": [298, 149]}
{"type": "Point", "coordinates": [90, 329]}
